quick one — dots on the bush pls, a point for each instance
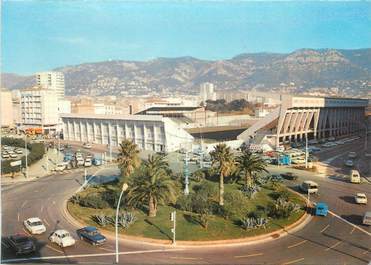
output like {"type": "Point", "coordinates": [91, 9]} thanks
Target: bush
{"type": "Point", "coordinates": [93, 201]}
{"type": "Point", "coordinates": [184, 203]}
{"type": "Point", "coordinates": [282, 208]}
{"type": "Point", "coordinates": [102, 219]}
{"type": "Point", "coordinates": [198, 175]}
{"type": "Point", "coordinates": [200, 203]}
{"type": "Point", "coordinates": [207, 189]}
{"type": "Point", "coordinates": [250, 191]}
{"type": "Point", "coordinates": [235, 205]}
{"type": "Point", "coordinates": [253, 222]}
{"type": "Point", "coordinates": [126, 219]}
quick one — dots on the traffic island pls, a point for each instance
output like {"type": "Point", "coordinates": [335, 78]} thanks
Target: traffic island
{"type": "Point", "coordinates": [190, 228]}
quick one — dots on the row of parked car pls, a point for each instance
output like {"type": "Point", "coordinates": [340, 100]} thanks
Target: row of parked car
{"type": "Point", "coordinates": [10, 152]}
{"type": "Point", "coordinates": [24, 244]}
{"type": "Point", "coordinates": [78, 159]}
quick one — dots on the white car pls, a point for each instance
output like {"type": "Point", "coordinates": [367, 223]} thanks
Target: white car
{"type": "Point", "coordinates": [19, 151]}
{"type": "Point", "coordinates": [62, 238]}
{"type": "Point", "coordinates": [352, 154]}
{"type": "Point", "coordinates": [361, 198]}
{"type": "Point", "coordinates": [5, 155]}
{"type": "Point", "coordinates": [60, 167]}
{"type": "Point", "coordinates": [349, 163]}
{"type": "Point", "coordinates": [34, 225]}
{"type": "Point", "coordinates": [80, 161]}
{"type": "Point", "coordinates": [13, 155]}
{"type": "Point", "coordinates": [87, 146]}
{"type": "Point", "coordinates": [88, 162]}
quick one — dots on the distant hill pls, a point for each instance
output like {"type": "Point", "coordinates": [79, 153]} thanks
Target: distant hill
{"type": "Point", "coordinates": [300, 71]}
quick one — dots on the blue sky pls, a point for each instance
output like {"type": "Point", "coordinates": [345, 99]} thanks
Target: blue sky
{"type": "Point", "coordinates": [42, 35]}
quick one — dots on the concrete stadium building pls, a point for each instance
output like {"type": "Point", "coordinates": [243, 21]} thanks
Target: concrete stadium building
{"type": "Point", "coordinates": [315, 117]}
{"type": "Point", "coordinates": [149, 132]}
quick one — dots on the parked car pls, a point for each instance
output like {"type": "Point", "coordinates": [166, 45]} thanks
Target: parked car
{"type": "Point", "coordinates": [367, 218]}
{"type": "Point", "coordinates": [352, 154]}
{"type": "Point", "coordinates": [289, 176]}
{"type": "Point", "coordinates": [34, 225]}
{"type": "Point", "coordinates": [87, 146]}
{"type": "Point", "coordinates": [62, 238]}
{"type": "Point", "coordinates": [97, 162]}
{"type": "Point", "coordinates": [21, 244]}
{"type": "Point", "coordinates": [18, 151]}
{"type": "Point", "coordinates": [354, 177]}
{"type": "Point", "coordinates": [309, 186]}
{"type": "Point", "coordinates": [13, 155]}
{"type": "Point", "coordinates": [60, 167]}
{"type": "Point", "coordinates": [88, 162]}
{"type": "Point", "coordinates": [349, 163]}
{"type": "Point", "coordinates": [80, 161]}
{"type": "Point", "coordinates": [360, 198]}
{"type": "Point", "coordinates": [91, 235]}
{"type": "Point", "coordinates": [5, 155]}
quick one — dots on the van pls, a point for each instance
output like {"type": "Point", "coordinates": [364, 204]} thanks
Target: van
{"type": "Point", "coordinates": [309, 186]}
{"type": "Point", "coordinates": [355, 176]}
{"type": "Point", "coordinates": [367, 218]}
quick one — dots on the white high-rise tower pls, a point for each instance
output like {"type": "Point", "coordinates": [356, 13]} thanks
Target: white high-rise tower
{"type": "Point", "coordinates": [52, 81]}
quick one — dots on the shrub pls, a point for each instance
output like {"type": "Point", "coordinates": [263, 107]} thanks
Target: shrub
{"type": "Point", "coordinates": [282, 208]}
{"type": "Point", "coordinates": [93, 201]}
{"type": "Point", "coordinates": [207, 189]}
{"type": "Point", "coordinates": [198, 175]}
{"type": "Point", "coordinates": [184, 203]}
{"type": "Point", "coordinates": [253, 222]}
{"type": "Point", "coordinates": [101, 219]}
{"type": "Point", "coordinates": [204, 219]}
{"type": "Point", "coordinates": [250, 191]}
{"type": "Point", "coordinates": [200, 203]}
{"type": "Point", "coordinates": [75, 199]}
{"type": "Point", "coordinates": [235, 205]}
{"type": "Point", "coordinates": [126, 219]}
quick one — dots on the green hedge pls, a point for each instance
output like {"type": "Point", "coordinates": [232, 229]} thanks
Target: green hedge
{"type": "Point", "coordinates": [37, 151]}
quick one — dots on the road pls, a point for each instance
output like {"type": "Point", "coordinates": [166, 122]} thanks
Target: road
{"type": "Point", "coordinates": [325, 240]}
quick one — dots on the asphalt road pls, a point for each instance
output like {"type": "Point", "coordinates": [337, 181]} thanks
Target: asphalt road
{"type": "Point", "coordinates": [325, 240]}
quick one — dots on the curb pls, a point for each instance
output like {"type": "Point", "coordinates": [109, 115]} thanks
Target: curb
{"type": "Point", "coordinates": [294, 227]}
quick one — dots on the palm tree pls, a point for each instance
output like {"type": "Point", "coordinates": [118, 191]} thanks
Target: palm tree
{"type": "Point", "coordinates": [250, 164]}
{"type": "Point", "coordinates": [153, 185]}
{"type": "Point", "coordinates": [223, 160]}
{"type": "Point", "coordinates": [128, 158]}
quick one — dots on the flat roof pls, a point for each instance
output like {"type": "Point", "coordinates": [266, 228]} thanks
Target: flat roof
{"type": "Point", "coordinates": [170, 108]}
{"type": "Point", "coordinates": [112, 117]}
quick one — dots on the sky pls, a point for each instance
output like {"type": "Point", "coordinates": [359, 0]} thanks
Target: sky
{"type": "Point", "coordinates": [42, 35]}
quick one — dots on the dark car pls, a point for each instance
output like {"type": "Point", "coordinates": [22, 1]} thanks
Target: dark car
{"type": "Point", "coordinates": [92, 235]}
{"type": "Point", "coordinates": [21, 244]}
{"type": "Point", "coordinates": [289, 176]}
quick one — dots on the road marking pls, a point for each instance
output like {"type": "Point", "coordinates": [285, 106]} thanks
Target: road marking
{"type": "Point", "coordinates": [323, 230]}
{"type": "Point", "coordinates": [54, 249]}
{"type": "Point", "coordinates": [188, 258]}
{"type": "Point", "coordinates": [297, 244]}
{"type": "Point", "coordinates": [5, 245]}
{"type": "Point", "coordinates": [28, 233]}
{"type": "Point", "coordinates": [293, 261]}
{"type": "Point", "coordinates": [351, 232]}
{"type": "Point", "coordinates": [250, 255]}
{"type": "Point", "coordinates": [334, 245]}
{"type": "Point", "coordinates": [23, 204]}
{"type": "Point", "coordinates": [46, 222]}
{"type": "Point", "coordinates": [106, 249]}
{"type": "Point", "coordinates": [18, 217]}
{"type": "Point", "coordinates": [346, 221]}
{"type": "Point", "coordinates": [91, 255]}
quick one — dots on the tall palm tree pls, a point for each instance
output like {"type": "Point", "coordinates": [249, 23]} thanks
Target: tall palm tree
{"type": "Point", "coordinates": [223, 160]}
{"type": "Point", "coordinates": [153, 185]}
{"type": "Point", "coordinates": [128, 158]}
{"type": "Point", "coordinates": [250, 164]}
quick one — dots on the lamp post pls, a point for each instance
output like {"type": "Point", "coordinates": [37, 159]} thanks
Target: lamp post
{"type": "Point", "coordinates": [306, 150]}
{"type": "Point", "coordinates": [124, 188]}
{"type": "Point", "coordinates": [26, 150]}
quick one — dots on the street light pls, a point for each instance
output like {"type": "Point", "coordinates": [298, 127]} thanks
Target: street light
{"type": "Point", "coordinates": [124, 188]}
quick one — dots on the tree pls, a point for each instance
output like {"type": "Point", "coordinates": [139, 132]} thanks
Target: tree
{"type": "Point", "coordinates": [248, 165]}
{"type": "Point", "coordinates": [128, 158]}
{"type": "Point", "coordinates": [223, 160]}
{"type": "Point", "coordinates": [153, 185]}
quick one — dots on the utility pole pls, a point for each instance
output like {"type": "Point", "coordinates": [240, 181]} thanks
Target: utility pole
{"type": "Point", "coordinates": [306, 150]}
{"type": "Point", "coordinates": [173, 230]}
{"type": "Point", "coordinates": [186, 174]}
{"type": "Point", "coordinates": [25, 146]}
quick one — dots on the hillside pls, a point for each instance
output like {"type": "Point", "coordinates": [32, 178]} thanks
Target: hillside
{"type": "Point", "coordinates": [300, 71]}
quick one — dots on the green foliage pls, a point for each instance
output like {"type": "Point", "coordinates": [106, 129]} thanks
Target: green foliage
{"type": "Point", "coordinates": [198, 175]}
{"type": "Point", "coordinates": [128, 158]}
{"type": "Point", "coordinates": [102, 219]}
{"type": "Point", "coordinates": [249, 165]}
{"type": "Point", "coordinates": [184, 203]}
{"type": "Point", "coordinates": [235, 205]}
{"type": "Point", "coordinates": [253, 222]}
{"type": "Point", "coordinates": [93, 200]}
{"type": "Point", "coordinates": [126, 219]}
{"type": "Point", "coordinates": [221, 105]}
{"type": "Point", "coordinates": [282, 208]}
{"type": "Point", "coordinates": [207, 189]}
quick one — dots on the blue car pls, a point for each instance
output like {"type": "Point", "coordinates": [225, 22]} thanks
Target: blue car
{"type": "Point", "coordinates": [321, 209]}
{"type": "Point", "coordinates": [91, 235]}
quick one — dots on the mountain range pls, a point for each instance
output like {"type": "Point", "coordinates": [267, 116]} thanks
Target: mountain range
{"type": "Point", "coordinates": [347, 72]}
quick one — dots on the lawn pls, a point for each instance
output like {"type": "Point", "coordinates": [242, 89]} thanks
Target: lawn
{"type": "Point", "coordinates": [187, 228]}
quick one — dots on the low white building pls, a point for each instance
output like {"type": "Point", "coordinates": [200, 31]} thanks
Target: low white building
{"type": "Point", "coordinates": [149, 132]}
{"type": "Point", "coordinates": [6, 108]}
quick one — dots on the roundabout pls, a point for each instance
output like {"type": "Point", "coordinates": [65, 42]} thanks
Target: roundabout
{"type": "Point", "coordinates": [338, 238]}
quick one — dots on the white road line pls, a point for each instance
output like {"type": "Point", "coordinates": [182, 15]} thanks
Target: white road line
{"type": "Point", "coordinates": [250, 255]}
{"type": "Point", "coordinates": [91, 255]}
{"type": "Point", "coordinates": [297, 244]}
{"type": "Point", "coordinates": [57, 250]}
{"type": "Point", "coordinates": [186, 258]}
{"type": "Point", "coordinates": [324, 229]}
{"type": "Point", "coordinates": [46, 222]}
{"type": "Point", "coordinates": [293, 261]}
{"type": "Point", "coordinates": [351, 232]}
{"type": "Point", "coordinates": [333, 246]}
{"type": "Point", "coordinates": [23, 204]}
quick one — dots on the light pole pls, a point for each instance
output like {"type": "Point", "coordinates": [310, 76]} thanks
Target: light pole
{"type": "Point", "coordinates": [124, 188]}
{"type": "Point", "coordinates": [186, 174]}
{"type": "Point", "coordinates": [25, 147]}
{"type": "Point", "coordinates": [306, 150]}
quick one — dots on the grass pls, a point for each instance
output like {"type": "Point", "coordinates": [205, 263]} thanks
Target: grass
{"type": "Point", "coordinates": [187, 227]}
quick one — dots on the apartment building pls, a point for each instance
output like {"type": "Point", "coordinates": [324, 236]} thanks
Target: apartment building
{"type": "Point", "coordinates": [52, 81]}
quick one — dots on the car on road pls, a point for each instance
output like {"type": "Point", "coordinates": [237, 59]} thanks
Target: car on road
{"type": "Point", "coordinates": [321, 209]}
{"type": "Point", "coordinates": [34, 225]}
{"type": "Point", "coordinates": [62, 238]}
{"type": "Point", "coordinates": [21, 244]}
{"type": "Point", "coordinates": [355, 177]}
{"type": "Point", "coordinates": [97, 161]}
{"type": "Point", "coordinates": [91, 235]}
{"type": "Point", "coordinates": [60, 167]}
{"type": "Point", "coordinates": [360, 198]}
{"type": "Point", "coordinates": [349, 163]}
{"type": "Point", "coordinates": [309, 186]}
{"type": "Point", "coordinates": [331, 139]}
{"type": "Point", "coordinates": [289, 176]}
{"type": "Point", "coordinates": [367, 218]}
{"type": "Point", "coordinates": [352, 154]}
